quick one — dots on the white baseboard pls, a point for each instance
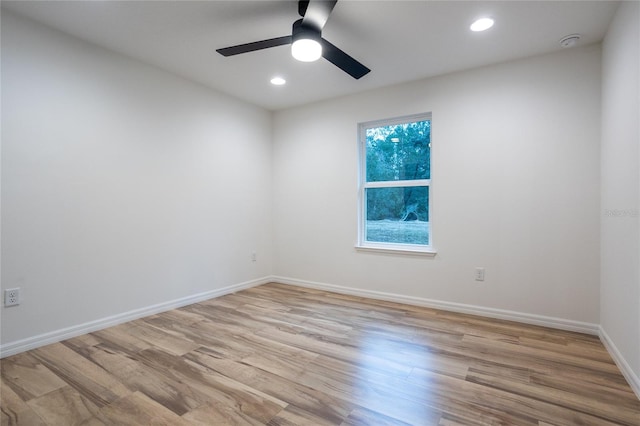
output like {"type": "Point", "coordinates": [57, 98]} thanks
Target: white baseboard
{"type": "Point", "coordinates": [623, 365]}
{"type": "Point", "coordinates": [552, 322]}
{"type": "Point", "coordinates": [18, 346]}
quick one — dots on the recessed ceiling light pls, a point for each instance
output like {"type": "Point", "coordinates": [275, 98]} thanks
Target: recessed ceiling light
{"type": "Point", "coordinates": [278, 81]}
{"type": "Point", "coordinates": [481, 24]}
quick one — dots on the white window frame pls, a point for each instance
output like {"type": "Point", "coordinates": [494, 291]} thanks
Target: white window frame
{"type": "Point", "coordinates": [363, 185]}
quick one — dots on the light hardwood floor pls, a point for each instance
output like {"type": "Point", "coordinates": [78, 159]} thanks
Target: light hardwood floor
{"type": "Point", "coordinates": [283, 355]}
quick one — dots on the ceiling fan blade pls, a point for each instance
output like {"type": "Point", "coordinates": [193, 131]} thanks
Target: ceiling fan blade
{"type": "Point", "coordinates": [256, 45]}
{"type": "Point", "coordinates": [343, 61]}
{"type": "Point", "coordinates": [317, 12]}
{"type": "Point", "coordinates": [302, 7]}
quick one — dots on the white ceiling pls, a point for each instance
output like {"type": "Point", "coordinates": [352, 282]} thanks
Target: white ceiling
{"type": "Point", "coordinates": [399, 40]}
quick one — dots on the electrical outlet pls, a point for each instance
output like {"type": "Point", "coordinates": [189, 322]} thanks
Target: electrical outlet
{"type": "Point", "coordinates": [12, 297]}
{"type": "Point", "coordinates": [479, 274]}
{"type": "Point", "coordinates": [254, 257]}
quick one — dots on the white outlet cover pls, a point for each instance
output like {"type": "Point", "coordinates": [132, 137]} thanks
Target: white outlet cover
{"type": "Point", "coordinates": [12, 297]}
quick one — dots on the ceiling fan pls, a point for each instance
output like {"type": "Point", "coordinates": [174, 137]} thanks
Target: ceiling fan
{"type": "Point", "coordinates": [306, 40]}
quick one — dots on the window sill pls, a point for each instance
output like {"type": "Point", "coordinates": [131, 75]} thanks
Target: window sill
{"type": "Point", "coordinates": [400, 250]}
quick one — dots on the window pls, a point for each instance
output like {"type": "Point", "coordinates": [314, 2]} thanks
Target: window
{"type": "Point", "coordinates": [395, 178]}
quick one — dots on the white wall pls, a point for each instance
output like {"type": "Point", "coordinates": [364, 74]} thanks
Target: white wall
{"type": "Point", "coordinates": [620, 230]}
{"type": "Point", "coordinates": [123, 186]}
{"type": "Point", "coordinates": [515, 180]}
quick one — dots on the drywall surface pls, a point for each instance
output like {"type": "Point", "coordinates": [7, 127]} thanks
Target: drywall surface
{"type": "Point", "coordinates": [620, 216]}
{"type": "Point", "coordinates": [123, 186]}
{"type": "Point", "coordinates": [515, 188]}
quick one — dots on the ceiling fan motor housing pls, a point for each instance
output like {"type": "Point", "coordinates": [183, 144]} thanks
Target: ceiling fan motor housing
{"type": "Point", "coordinates": [301, 31]}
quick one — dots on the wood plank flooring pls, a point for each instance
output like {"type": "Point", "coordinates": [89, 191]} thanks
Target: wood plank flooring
{"type": "Point", "coordinates": [283, 355]}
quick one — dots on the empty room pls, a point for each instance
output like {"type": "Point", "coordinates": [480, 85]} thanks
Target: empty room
{"type": "Point", "coordinates": [320, 212]}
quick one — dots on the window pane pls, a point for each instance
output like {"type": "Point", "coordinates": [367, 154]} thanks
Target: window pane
{"type": "Point", "coordinates": [399, 152]}
{"type": "Point", "coordinates": [397, 215]}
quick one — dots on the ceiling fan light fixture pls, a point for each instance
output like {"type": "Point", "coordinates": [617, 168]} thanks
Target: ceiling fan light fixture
{"type": "Point", "coordinates": [306, 50]}
{"type": "Point", "coordinates": [305, 44]}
